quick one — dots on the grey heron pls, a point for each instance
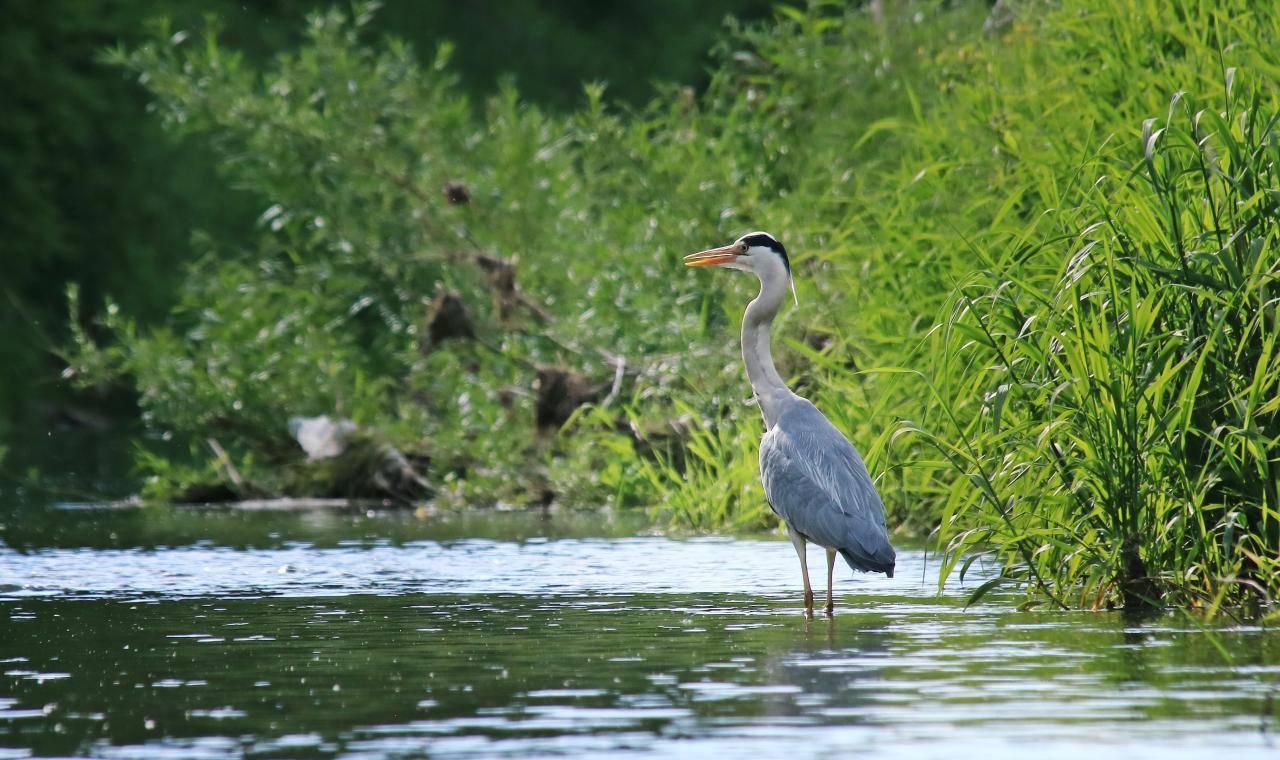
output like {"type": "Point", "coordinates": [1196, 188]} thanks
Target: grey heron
{"type": "Point", "coordinates": [813, 477]}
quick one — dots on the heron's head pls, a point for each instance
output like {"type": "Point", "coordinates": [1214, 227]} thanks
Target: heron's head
{"type": "Point", "coordinates": [756, 252]}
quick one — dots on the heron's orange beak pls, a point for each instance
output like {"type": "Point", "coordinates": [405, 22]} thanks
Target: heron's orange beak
{"type": "Point", "coordinates": [713, 256]}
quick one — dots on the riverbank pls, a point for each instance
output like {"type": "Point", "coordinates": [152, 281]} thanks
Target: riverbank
{"type": "Point", "coordinates": [1034, 253]}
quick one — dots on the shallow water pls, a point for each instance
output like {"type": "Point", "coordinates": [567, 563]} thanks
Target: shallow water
{"type": "Point", "coordinates": [154, 633]}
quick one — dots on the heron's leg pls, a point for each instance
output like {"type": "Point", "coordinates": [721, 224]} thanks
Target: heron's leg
{"type": "Point", "coordinates": [831, 570]}
{"type": "Point", "coordinates": [797, 541]}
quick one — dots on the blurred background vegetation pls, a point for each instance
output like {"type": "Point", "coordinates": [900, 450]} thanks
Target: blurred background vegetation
{"type": "Point", "coordinates": [96, 194]}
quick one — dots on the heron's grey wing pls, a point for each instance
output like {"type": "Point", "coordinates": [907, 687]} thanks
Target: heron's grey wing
{"type": "Point", "coordinates": [815, 480]}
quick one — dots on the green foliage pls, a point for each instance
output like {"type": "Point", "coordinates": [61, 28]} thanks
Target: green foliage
{"type": "Point", "coordinates": [549, 49]}
{"type": "Point", "coordinates": [95, 195]}
{"type": "Point", "coordinates": [1127, 374]}
{"type": "Point", "coordinates": [1107, 376]}
{"type": "Point", "coordinates": [1049, 329]}
{"type": "Point", "coordinates": [714, 483]}
{"type": "Point", "coordinates": [353, 144]}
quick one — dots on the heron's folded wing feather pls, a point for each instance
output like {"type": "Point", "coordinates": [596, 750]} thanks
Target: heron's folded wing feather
{"type": "Point", "coordinates": [815, 480]}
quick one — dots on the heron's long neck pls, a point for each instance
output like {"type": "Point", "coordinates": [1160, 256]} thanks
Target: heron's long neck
{"type": "Point", "coordinates": [767, 384]}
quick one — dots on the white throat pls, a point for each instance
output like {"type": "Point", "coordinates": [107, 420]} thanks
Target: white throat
{"type": "Point", "coordinates": [766, 383]}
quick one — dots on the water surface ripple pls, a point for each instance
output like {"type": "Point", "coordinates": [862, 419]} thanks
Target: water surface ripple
{"type": "Point", "coordinates": [281, 642]}
{"type": "Point", "coordinates": [469, 566]}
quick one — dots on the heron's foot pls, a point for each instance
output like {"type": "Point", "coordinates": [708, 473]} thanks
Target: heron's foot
{"type": "Point", "coordinates": [830, 609]}
{"type": "Point", "coordinates": [808, 604]}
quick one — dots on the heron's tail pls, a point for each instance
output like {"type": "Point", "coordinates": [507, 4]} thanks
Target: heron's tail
{"type": "Point", "coordinates": [882, 561]}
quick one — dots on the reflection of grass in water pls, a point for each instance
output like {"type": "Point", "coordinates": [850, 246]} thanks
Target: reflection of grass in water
{"type": "Point", "coordinates": [127, 527]}
{"type": "Point", "coordinates": [51, 463]}
{"type": "Point", "coordinates": [703, 666]}
{"type": "Point", "coordinates": [470, 657]}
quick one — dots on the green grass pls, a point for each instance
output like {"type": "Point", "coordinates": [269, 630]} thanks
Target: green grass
{"type": "Point", "coordinates": [1104, 376]}
{"type": "Point", "coordinates": [1124, 440]}
{"type": "Point", "coordinates": [1035, 268]}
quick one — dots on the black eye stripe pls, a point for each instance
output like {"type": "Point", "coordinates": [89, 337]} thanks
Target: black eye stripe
{"type": "Point", "coordinates": [768, 241]}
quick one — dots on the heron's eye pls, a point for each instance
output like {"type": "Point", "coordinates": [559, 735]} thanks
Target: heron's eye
{"type": "Point", "coordinates": [742, 247]}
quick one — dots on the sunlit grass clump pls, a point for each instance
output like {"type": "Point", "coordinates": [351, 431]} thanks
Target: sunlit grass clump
{"type": "Point", "coordinates": [1103, 380]}
{"type": "Point", "coordinates": [1123, 448]}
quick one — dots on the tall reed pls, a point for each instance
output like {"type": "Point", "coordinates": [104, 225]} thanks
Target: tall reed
{"type": "Point", "coordinates": [1126, 379]}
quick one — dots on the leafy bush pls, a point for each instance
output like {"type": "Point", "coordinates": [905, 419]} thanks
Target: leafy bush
{"type": "Point", "coordinates": [356, 145]}
{"type": "Point", "coordinates": [98, 196]}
